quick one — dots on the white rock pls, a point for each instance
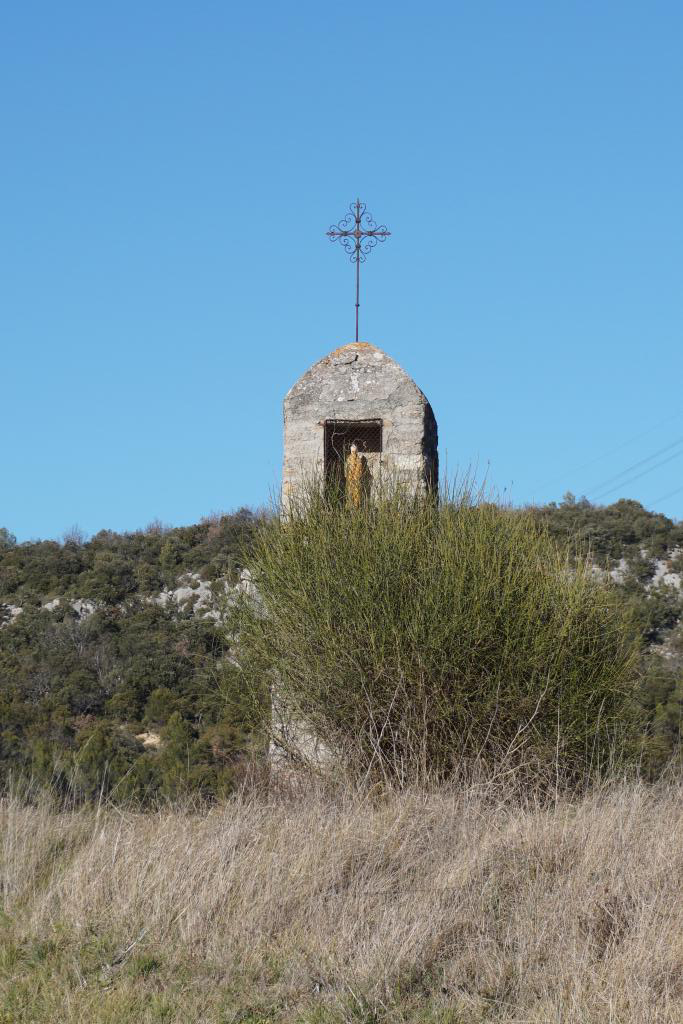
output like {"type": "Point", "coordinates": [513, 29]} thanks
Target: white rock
{"type": "Point", "coordinates": [83, 607]}
{"type": "Point", "coordinates": [13, 610]}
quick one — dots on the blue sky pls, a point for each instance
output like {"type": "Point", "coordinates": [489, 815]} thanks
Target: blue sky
{"type": "Point", "coordinates": [169, 171]}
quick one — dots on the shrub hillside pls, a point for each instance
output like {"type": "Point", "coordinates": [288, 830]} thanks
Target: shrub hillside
{"type": "Point", "coordinates": [113, 566]}
{"type": "Point", "coordinates": [622, 530]}
{"type": "Point", "coordinates": [406, 636]}
{"type": "Point", "coordinates": [133, 664]}
{"type": "Point", "coordinates": [78, 690]}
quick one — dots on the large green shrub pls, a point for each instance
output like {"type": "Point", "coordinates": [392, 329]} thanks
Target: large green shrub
{"type": "Point", "coordinates": [406, 637]}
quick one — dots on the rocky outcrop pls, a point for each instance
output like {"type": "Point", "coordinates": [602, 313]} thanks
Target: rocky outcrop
{"type": "Point", "coordinates": [207, 599]}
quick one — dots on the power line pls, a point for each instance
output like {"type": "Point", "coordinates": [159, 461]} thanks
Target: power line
{"type": "Point", "coordinates": [612, 451]}
{"type": "Point", "coordinates": [636, 465]}
{"type": "Point", "coordinates": [663, 497]}
{"type": "Point", "coordinates": [627, 483]}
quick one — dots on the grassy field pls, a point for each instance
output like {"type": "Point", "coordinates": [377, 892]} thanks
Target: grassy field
{"type": "Point", "coordinates": [470, 904]}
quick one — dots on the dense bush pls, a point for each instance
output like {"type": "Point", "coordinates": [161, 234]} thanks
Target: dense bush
{"type": "Point", "coordinates": [408, 636]}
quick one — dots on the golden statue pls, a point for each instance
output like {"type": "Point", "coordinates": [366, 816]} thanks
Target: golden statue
{"type": "Point", "coordinates": [357, 477]}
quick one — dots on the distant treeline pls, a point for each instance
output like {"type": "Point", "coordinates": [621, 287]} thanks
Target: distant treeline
{"type": "Point", "coordinates": [613, 531]}
{"type": "Point", "coordinates": [111, 567]}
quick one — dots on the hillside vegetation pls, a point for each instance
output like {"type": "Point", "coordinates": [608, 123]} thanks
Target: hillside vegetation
{"type": "Point", "coordinates": [115, 673]}
{"type": "Point", "coordinates": [99, 653]}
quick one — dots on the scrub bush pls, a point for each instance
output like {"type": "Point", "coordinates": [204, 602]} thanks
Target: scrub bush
{"type": "Point", "coordinates": [410, 636]}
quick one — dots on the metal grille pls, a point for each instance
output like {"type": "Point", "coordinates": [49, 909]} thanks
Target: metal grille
{"type": "Point", "coordinates": [341, 434]}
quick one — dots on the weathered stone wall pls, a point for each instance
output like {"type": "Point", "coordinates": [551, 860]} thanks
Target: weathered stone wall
{"type": "Point", "coordinates": [360, 382]}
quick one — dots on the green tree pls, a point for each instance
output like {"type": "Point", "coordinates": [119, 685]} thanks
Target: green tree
{"type": "Point", "coordinates": [160, 705]}
{"type": "Point", "coordinates": [177, 757]}
{"type": "Point", "coordinates": [111, 578]}
{"type": "Point", "coordinates": [7, 539]}
{"type": "Point", "coordinates": [105, 754]}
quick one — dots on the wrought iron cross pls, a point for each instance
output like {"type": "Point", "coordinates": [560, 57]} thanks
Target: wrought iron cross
{"type": "Point", "coordinates": [359, 234]}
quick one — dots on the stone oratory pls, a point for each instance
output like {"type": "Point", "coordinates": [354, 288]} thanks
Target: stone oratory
{"type": "Point", "coordinates": [355, 417]}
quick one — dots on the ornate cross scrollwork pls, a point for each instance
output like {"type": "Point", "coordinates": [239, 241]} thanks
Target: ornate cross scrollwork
{"type": "Point", "coordinates": [358, 233]}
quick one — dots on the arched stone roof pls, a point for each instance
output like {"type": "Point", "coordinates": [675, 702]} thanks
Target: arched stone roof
{"type": "Point", "coordinates": [353, 381]}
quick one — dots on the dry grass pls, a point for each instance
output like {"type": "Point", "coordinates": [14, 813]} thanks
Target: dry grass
{"type": "Point", "coordinates": [463, 906]}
